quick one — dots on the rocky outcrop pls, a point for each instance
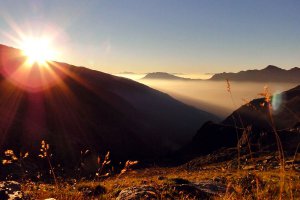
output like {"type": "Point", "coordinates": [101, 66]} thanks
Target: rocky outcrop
{"type": "Point", "coordinates": [139, 192]}
{"type": "Point", "coordinates": [175, 189]}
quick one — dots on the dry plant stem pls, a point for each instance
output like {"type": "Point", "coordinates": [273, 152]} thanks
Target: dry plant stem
{"type": "Point", "coordinates": [294, 158]}
{"type": "Point", "coordinates": [242, 124]}
{"type": "Point", "coordinates": [257, 188]}
{"type": "Point", "coordinates": [291, 190]}
{"type": "Point", "coordinates": [280, 152]}
{"type": "Point", "coordinates": [44, 153]}
{"type": "Point", "coordinates": [238, 144]}
{"type": "Point", "coordinates": [234, 121]}
{"type": "Point", "coordinates": [248, 143]}
{"type": "Point", "coordinates": [279, 144]}
{"type": "Point", "coordinates": [22, 168]}
{"type": "Point", "coordinates": [52, 170]}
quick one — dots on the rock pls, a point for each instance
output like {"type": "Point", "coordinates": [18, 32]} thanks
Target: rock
{"type": "Point", "coordinates": [10, 190]}
{"type": "Point", "coordinates": [92, 190]}
{"type": "Point", "coordinates": [99, 190]}
{"type": "Point", "coordinates": [141, 192]}
{"type": "Point", "coordinates": [201, 190]}
{"type": "Point", "coordinates": [187, 191]}
{"type": "Point", "coordinates": [212, 187]}
{"type": "Point", "coordinates": [178, 181]}
{"type": "Point", "coordinates": [269, 157]}
{"type": "Point", "coordinates": [220, 180]}
{"type": "Point", "coordinates": [249, 167]}
{"type": "Point", "coordinates": [175, 189]}
{"type": "Point", "coordinates": [265, 161]}
{"type": "Point", "coordinates": [160, 178]}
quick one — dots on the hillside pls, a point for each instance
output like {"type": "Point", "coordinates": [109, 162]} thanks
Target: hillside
{"type": "Point", "coordinates": [76, 108]}
{"type": "Point", "coordinates": [252, 118]}
{"type": "Point", "coordinates": [269, 74]}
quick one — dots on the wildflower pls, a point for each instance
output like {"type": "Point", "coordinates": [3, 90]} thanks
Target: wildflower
{"type": "Point", "coordinates": [26, 155]}
{"type": "Point", "coordinates": [266, 94]}
{"type": "Point", "coordinates": [5, 162]}
{"type": "Point", "coordinates": [104, 163]}
{"type": "Point", "coordinates": [9, 152]}
{"type": "Point", "coordinates": [128, 166]}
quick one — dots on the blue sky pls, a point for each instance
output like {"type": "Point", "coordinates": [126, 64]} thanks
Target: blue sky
{"type": "Point", "coordinates": [183, 36]}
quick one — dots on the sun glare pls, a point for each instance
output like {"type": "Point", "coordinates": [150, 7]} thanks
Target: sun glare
{"type": "Point", "coordinates": [38, 50]}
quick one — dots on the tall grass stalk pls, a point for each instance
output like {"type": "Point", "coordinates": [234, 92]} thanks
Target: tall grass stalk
{"type": "Point", "coordinates": [236, 127]}
{"type": "Point", "coordinates": [45, 154]}
{"type": "Point", "coordinates": [267, 97]}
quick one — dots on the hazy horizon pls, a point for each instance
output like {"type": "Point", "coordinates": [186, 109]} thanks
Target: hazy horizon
{"type": "Point", "coordinates": [138, 76]}
{"type": "Point", "coordinates": [207, 95]}
{"type": "Point", "coordinates": [213, 97]}
{"type": "Point", "coordinates": [203, 76]}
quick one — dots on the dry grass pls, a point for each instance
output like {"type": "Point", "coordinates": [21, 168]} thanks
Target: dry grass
{"type": "Point", "coordinates": [245, 184]}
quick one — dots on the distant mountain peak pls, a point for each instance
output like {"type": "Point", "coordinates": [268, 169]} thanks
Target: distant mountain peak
{"type": "Point", "coordinates": [295, 69]}
{"type": "Point", "coordinates": [272, 67]}
{"type": "Point", "coordinates": [163, 76]}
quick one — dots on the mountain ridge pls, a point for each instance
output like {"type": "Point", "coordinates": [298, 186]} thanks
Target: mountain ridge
{"type": "Point", "coordinates": [270, 73]}
{"type": "Point", "coordinates": [80, 108]}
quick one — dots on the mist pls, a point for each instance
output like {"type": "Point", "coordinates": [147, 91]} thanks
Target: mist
{"type": "Point", "coordinates": [212, 96]}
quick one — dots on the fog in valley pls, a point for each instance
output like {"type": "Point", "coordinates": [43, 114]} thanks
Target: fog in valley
{"type": "Point", "coordinates": [212, 96]}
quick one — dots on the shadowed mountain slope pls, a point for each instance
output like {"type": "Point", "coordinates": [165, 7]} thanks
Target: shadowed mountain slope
{"type": "Point", "coordinates": [285, 112]}
{"type": "Point", "coordinates": [76, 108]}
{"type": "Point", "coordinates": [213, 136]}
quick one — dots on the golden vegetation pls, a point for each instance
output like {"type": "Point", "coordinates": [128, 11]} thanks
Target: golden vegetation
{"type": "Point", "coordinates": [244, 184]}
{"type": "Point", "coordinates": [11, 157]}
{"type": "Point", "coordinates": [45, 154]}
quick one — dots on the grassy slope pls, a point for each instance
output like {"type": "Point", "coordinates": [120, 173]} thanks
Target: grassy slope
{"type": "Point", "coordinates": [245, 184]}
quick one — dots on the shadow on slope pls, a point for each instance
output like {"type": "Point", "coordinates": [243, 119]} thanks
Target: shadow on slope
{"type": "Point", "coordinates": [75, 108]}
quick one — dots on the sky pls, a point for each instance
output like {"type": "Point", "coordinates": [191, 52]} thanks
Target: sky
{"type": "Point", "coordinates": [176, 36]}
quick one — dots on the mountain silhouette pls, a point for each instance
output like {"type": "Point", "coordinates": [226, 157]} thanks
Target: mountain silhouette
{"type": "Point", "coordinates": [269, 74]}
{"type": "Point", "coordinates": [164, 76]}
{"type": "Point", "coordinates": [285, 111]}
{"type": "Point", "coordinates": [76, 108]}
{"type": "Point", "coordinates": [213, 136]}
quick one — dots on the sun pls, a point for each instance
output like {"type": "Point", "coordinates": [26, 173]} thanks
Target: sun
{"type": "Point", "coordinates": [38, 50]}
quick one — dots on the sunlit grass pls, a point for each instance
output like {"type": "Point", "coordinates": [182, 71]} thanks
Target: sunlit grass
{"type": "Point", "coordinates": [243, 184]}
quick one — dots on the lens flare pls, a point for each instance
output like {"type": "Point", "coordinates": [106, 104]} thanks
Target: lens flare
{"type": "Point", "coordinates": [276, 101]}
